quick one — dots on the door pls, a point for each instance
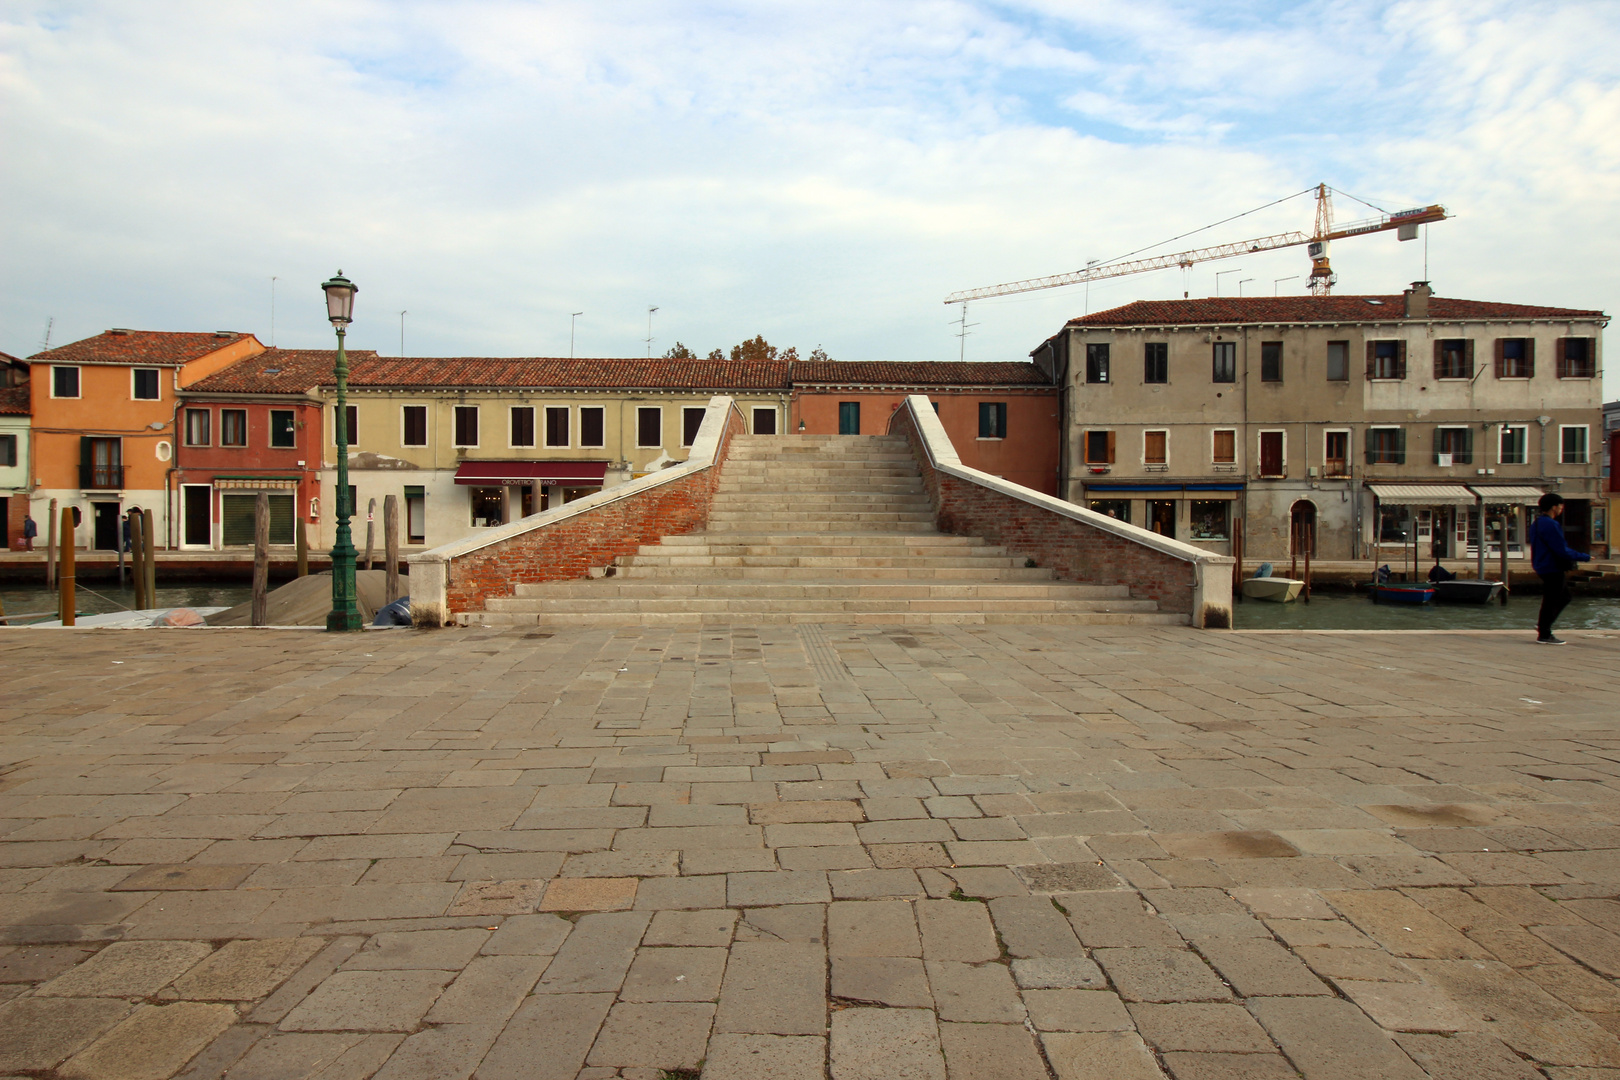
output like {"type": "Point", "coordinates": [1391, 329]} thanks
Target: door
{"type": "Point", "coordinates": [106, 535]}
{"type": "Point", "coordinates": [1577, 522]}
{"type": "Point", "coordinates": [1162, 517]}
{"type": "Point", "coordinates": [1302, 529]}
{"type": "Point", "coordinates": [1440, 541]}
{"type": "Point", "coordinates": [236, 519]}
{"type": "Point", "coordinates": [198, 513]}
{"type": "Point", "coordinates": [1271, 453]}
{"type": "Point", "coordinates": [849, 418]}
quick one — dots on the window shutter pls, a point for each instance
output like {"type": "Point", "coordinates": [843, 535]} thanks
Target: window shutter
{"type": "Point", "coordinates": [1529, 357]}
{"type": "Point", "coordinates": [1372, 358]}
{"type": "Point", "coordinates": [1437, 368]}
{"type": "Point", "coordinates": [1400, 359]}
{"type": "Point", "coordinates": [1501, 362]}
{"type": "Point", "coordinates": [1367, 448]}
{"type": "Point", "coordinates": [1400, 446]}
{"type": "Point", "coordinates": [1468, 446]}
{"type": "Point", "coordinates": [1561, 358]}
{"type": "Point", "coordinates": [1468, 356]}
{"type": "Point", "coordinates": [1110, 448]}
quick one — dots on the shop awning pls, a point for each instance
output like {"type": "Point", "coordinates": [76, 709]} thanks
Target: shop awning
{"type": "Point", "coordinates": [1422, 494]}
{"type": "Point", "coordinates": [544, 473]}
{"type": "Point", "coordinates": [1496, 496]}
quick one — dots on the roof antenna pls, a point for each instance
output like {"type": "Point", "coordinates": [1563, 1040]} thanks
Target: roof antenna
{"type": "Point", "coordinates": [964, 328]}
{"type": "Point", "coordinates": [402, 335]}
{"type": "Point", "coordinates": [650, 311]}
{"type": "Point", "coordinates": [272, 311]}
{"type": "Point", "coordinates": [45, 343]}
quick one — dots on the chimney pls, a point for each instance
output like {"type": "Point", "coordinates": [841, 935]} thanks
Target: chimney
{"type": "Point", "coordinates": [1417, 300]}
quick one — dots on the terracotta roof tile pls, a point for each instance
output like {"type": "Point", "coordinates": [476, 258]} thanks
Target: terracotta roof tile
{"type": "Point", "coordinates": [14, 400]}
{"type": "Point", "coordinates": [917, 373]}
{"type": "Point", "coordinates": [278, 371]}
{"type": "Point", "coordinates": [1228, 310]}
{"type": "Point", "coordinates": [562, 373]}
{"type": "Point", "coordinates": [139, 347]}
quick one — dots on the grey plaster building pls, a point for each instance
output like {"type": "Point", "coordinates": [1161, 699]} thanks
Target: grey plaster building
{"type": "Point", "coordinates": [1365, 422]}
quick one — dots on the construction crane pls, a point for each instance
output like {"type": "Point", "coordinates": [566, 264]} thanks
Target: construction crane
{"type": "Point", "coordinates": [1405, 222]}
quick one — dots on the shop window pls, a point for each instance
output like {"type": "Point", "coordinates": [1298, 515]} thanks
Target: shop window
{"type": "Point", "coordinates": [466, 425]}
{"type": "Point", "coordinates": [237, 519]}
{"type": "Point", "coordinates": [1224, 446]}
{"type": "Point", "coordinates": [992, 420]}
{"type": "Point", "coordinates": [1224, 362]}
{"type": "Point", "coordinates": [650, 427]}
{"type": "Point", "coordinates": [1099, 447]}
{"type": "Point", "coordinates": [1211, 519]}
{"type": "Point", "coordinates": [145, 386]}
{"type": "Point", "coordinates": [591, 426]}
{"type": "Point", "coordinates": [1271, 361]}
{"type": "Point", "coordinates": [1386, 359]}
{"type": "Point", "coordinates": [1515, 358]}
{"type": "Point", "coordinates": [1097, 362]}
{"type": "Point", "coordinates": [1338, 361]}
{"type": "Point", "coordinates": [1114, 508]}
{"type": "Point", "coordinates": [1514, 446]}
{"type": "Point", "coordinates": [1572, 444]}
{"type": "Point", "coordinates": [233, 427]}
{"type": "Point", "coordinates": [414, 429]}
{"type": "Point", "coordinates": [1156, 362]}
{"type": "Point", "coordinates": [488, 506]}
{"type": "Point", "coordinates": [283, 429]}
{"type": "Point", "coordinates": [1394, 524]}
{"type": "Point", "coordinates": [1454, 358]}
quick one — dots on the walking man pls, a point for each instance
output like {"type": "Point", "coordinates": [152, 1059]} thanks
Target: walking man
{"type": "Point", "coordinates": [1551, 558]}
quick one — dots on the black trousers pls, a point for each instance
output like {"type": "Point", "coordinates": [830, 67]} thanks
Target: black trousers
{"type": "Point", "coordinates": [1554, 598]}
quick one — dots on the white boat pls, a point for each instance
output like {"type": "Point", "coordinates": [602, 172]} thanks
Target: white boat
{"type": "Point", "coordinates": [1279, 590]}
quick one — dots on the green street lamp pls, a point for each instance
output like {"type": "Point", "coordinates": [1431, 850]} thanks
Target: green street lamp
{"type": "Point", "coordinates": [345, 613]}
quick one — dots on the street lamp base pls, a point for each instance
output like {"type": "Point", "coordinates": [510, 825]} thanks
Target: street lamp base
{"type": "Point", "coordinates": [343, 621]}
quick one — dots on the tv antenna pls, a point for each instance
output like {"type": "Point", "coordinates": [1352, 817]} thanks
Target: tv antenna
{"type": "Point", "coordinates": [963, 329]}
{"type": "Point", "coordinates": [650, 311]}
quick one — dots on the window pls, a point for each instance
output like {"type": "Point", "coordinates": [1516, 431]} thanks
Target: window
{"type": "Point", "coordinates": [1453, 445]}
{"type": "Point", "coordinates": [557, 425]}
{"type": "Point", "coordinates": [1223, 447]}
{"type": "Point", "coordinates": [351, 426]}
{"type": "Point", "coordinates": [1454, 358]}
{"type": "Point", "coordinates": [8, 449]}
{"type": "Point", "coordinates": [1338, 361]}
{"type": "Point", "coordinates": [1271, 361]}
{"type": "Point", "coordinates": [1572, 444]}
{"type": "Point", "coordinates": [520, 431]}
{"type": "Point", "coordinates": [415, 514]}
{"type": "Point", "coordinates": [1114, 508]}
{"type": "Point", "coordinates": [1336, 453]}
{"type": "Point", "coordinates": [101, 462]}
{"type": "Point", "coordinates": [1210, 519]}
{"type": "Point", "coordinates": [1386, 359]}
{"type": "Point", "coordinates": [1097, 362]}
{"type": "Point", "coordinates": [1099, 448]}
{"type": "Point", "coordinates": [467, 426]}
{"type": "Point", "coordinates": [413, 419]}
{"type": "Point", "coordinates": [237, 513]}
{"type": "Point", "coordinates": [145, 383]}
{"type": "Point", "coordinates": [1225, 361]}
{"type": "Point", "coordinates": [283, 428]}
{"type": "Point", "coordinates": [197, 424]}
{"type": "Point", "coordinates": [1386, 446]}
{"type": "Point", "coordinates": [650, 427]}
{"type": "Point", "coordinates": [1273, 460]}
{"type": "Point", "coordinates": [992, 419]}
{"type": "Point", "coordinates": [591, 426]}
{"type": "Point", "coordinates": [849, 418]}
{"type": "Point", "coordinates": [1515, 358]}
{"type": "Point", "coordinates": [691, 421]}
{"type": "Point", "coordinates": [1514, 447]}
{"type": "Point", "coordinates": [765, 421]}
{"type": "Point", "coordinates": [1156, 362]}
{"type": "Point", "coordinates": [65, 382]}
{"type": "Point", "coordinates": [233, 427]}
{"type": "Point", "coordinates": [488, 506]}
{"type": "Point", "coordinates": [1577, 359]}
{"type": "Point", "coordinates": [1155, 447]}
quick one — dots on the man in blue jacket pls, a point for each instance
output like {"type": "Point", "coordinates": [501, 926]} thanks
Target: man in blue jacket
{"type": "Point", "coordinates": [1551, 558]}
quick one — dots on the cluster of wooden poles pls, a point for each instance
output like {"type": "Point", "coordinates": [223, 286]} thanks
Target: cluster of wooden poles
{"type": "Point", "coordinates": [259, 614]}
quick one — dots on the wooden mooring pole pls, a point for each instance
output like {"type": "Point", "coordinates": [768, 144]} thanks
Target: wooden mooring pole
{"type": "Point", "coordinates": [303, 549]}
{"type": "Point", "coordinates": [66, 599]}
{"type": "Point", "coordinates": [371, 531]}
{"type": "Point", "coordinates": [1507, 586]}
{"type": "Point", "coordinates": [50, 546]}
{"type": "Point", "coordinates": [391, 546]}
{"type": "Point", "coordinates": [1310, 542]}
{"type": "Point", "coordinates": [137, 562]}
{"type": "Point", "coordinates": [261, 560]}
{"type": "Point", "coordinates": [149, 554]}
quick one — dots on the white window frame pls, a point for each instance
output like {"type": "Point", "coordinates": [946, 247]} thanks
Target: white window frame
{"type": "Point", "coordinates": [1349, 448]}
{"type": "Point", "coordinates": [1385, 427]}
{"type": "Point", "coordinates": [270, 429]}
{"type": "Point", "coordinates": [1524, 442]}
{"type": "Point", "coordinates": [478, 422]}
{"type": "Point", "coordinates": [581, 418]}
{"type": "Point", "coordinates": [185, 425]}
{"type": "Point", "coordinates": [1165, 464]}
{"type": "Point", "coordinates": [1438, 439]}
{"type": "Point", "coordinates": [1236, 444]}
{"type": "Point", "coordinates": [1586, 443]}
{"type": "Point", "coordinates": [1259, 458]}
{"type": "Point", "coordinates": [511, 430]}
{"type": "Point", "coordinates": [543, 435]}
{"type": "Point", "coordinates": [754, 414]}
{"type": "Point", "coordinates": [156, 371]}
{"type": "Point", "coordinates": [650, 446]}
{"type": "Point", "coordinates": [690, 409]}
{"type": "Point", "coordinates": [78, 378]}
{"type": "Point", "coordinates": [353, 428]}
{"type": "Point", "coordinates": [426, 428]}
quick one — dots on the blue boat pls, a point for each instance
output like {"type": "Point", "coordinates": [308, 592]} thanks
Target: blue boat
{"type": "Point", "coordinates": [1387, 593]}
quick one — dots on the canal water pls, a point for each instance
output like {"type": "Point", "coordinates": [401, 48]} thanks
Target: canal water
{"type": "Point", "coordinates": [107, 597]}
{"type": "Point", "coordinates": [1349, 611]}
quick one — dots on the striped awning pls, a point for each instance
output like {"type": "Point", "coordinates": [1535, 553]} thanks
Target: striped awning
{"type": "Point", "coordinates": [1496, 496]}
{"type": "Point", "coordinates": [266, 483]}
{"type": "Point", "coordinates": [1422, 494]}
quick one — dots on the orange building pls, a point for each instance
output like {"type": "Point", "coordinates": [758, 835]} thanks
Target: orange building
{"type": "Point", "coordinates": [1003, 418]}
{"type": "Point", "coordinates": [104, 414]}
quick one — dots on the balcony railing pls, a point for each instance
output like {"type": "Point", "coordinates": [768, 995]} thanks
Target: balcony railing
{"type": "Point", "coordinates": [104, 477]}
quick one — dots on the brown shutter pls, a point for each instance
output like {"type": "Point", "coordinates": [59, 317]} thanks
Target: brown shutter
{"type": "Point", "coordinates": [1372, 357]}
{"type": "Point", "coordinates": [1110, 448]}
{"type": "Point", "coordinates": [1437, 371]}
{"type": "Point", "coordinates": [1468, 356]}
{"type": "Point", "coordinates": [1500, 361]}
{"type": "Point", "coordinates": [1400, 359]}
{"type": "Point", "coordinates": [1529, 357]}
{"type": "Point", "coordinates": [1560, 358]}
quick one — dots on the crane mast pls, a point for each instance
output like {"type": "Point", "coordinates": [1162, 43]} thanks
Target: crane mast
{"type": "Point", "coordinates": [1322, 280]}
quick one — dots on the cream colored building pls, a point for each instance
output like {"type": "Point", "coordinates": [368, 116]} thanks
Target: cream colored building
{"type": "Point", "coordinates": [1372, 421]}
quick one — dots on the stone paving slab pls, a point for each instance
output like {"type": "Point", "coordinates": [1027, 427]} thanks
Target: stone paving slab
{"type": "Point", "coordinates": [934, 851]}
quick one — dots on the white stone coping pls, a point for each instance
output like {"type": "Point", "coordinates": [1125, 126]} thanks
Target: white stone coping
{"type": "Point", "coordinates": [429, 569]}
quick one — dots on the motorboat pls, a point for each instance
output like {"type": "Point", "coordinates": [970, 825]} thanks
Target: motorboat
{"type": "Point", "coordinates": [1278, 590]}
{"type": "Point", "coordinates": [1466, 591]}
{"type": "Point", "coordinates": [1385, 592]}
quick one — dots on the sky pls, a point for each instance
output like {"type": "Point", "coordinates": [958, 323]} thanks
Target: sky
{"type": "Point", "coordinates": [822, 174]}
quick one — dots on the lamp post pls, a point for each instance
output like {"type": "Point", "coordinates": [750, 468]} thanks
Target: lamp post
{"type": "Point", "coordinates": [345, 613]}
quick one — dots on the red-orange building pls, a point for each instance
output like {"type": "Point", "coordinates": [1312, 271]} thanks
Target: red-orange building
{"type": "Point", "coordinates": [1003, 418]}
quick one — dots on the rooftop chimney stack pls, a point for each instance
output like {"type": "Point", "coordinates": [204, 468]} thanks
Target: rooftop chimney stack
{"type": "Point", "coordinates": [1417, 300]}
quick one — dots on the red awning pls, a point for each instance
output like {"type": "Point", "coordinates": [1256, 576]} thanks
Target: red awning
{"type": "Point", "coordinates": [544, 473]}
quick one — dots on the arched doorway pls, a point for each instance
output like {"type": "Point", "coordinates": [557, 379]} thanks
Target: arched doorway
{"type": "Point", "coordinates": [1302, 529]}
